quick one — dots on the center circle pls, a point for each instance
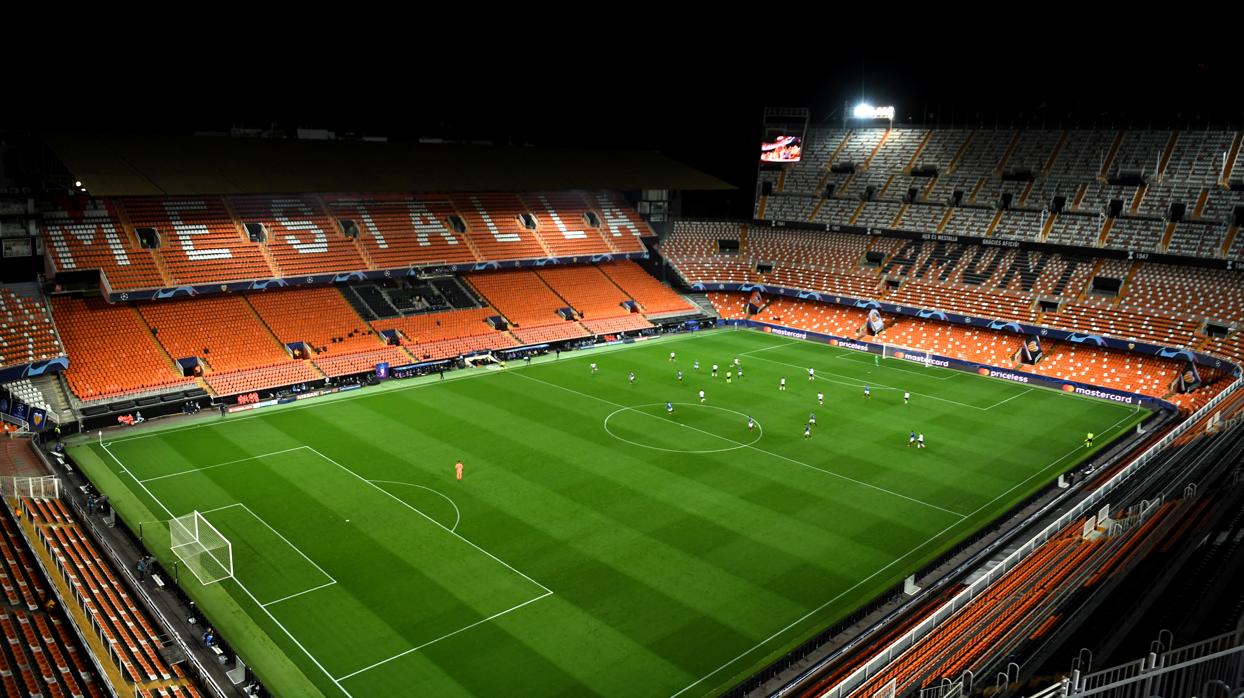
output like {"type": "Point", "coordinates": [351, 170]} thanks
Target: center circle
{"type": "Point", "coordinates": [700, 428]}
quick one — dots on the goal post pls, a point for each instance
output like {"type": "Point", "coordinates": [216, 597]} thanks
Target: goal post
{"type": "Point", "coordinates": [894, 351]}
{"type": "Point", "coordinates": [201, 548]}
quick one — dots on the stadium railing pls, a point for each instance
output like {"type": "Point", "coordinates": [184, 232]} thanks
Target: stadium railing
{"type": "Point", "coordinates": [1183, 671]}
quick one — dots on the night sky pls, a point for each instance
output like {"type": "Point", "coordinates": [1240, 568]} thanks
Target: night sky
{"type": "Point", "coordinates": [699, 101]}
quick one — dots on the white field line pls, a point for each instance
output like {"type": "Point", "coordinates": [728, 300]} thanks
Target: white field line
{"type": "Point", "coordinates": [218, 465]}
{"type": "Point", "coordinates": [1003, 402]}
{"type": "Point", "coordinates": [442, 637]}
{"type": "Point", "coordinates": [457, 513]}
{"type": "Point", "coordinates": [874, 574]}
{"type": "Point", "coordinates": [242, 587]}
{"type": "Point", "coordinates": [364, 393]}
{"type": "Point", "coordinates": [455, 534]}
{"type": "Point", "coordinates": [754, 448]}
{"type": "Point", "coordinates": [306, 591]}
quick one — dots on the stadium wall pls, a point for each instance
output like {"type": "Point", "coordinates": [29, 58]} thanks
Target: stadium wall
{"type": "Point", "coordinates": [1105, 252]}
{"type": "Point", "coordinates": [38, 368]}
{"type": "Point", "coordinates": [983, 323]}
{"type": "Point", "coordinates": [917, 356]}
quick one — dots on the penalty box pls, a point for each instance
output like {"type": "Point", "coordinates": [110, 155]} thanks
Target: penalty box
{"type": "Point", "coordinates": [351, 572]}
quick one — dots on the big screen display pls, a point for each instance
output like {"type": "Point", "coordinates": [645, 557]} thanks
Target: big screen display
{"type": "Point", "coordinates": [781, 149]}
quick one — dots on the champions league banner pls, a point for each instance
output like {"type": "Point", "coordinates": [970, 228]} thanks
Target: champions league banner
{"type": "Point", "coordinates": [991, 324]}
{"type": "Point", "coordinates": [875, 323]}
{"type": "Point", "coordinates": [1030, 351]}
{"type": "Point", "coordinates": [1031, 379]}
{"type": "Point", "coordinates": [1189, 379]}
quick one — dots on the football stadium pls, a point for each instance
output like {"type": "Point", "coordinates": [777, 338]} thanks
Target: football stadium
{"type": "Point", "coordinates": [951, 407]}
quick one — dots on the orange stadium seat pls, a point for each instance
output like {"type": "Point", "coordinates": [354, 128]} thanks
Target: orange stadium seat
{"type": "Point", "coordinates": [434, 327]}
{"type": "Point", "coordinates": [521, 296]}
{"type": "Point", "coordinates": [622, 224]}
{"type": "Point", "coordinates": [200, 241]}
{"type": "Point", "coordinates": [400, 231]}
{"type": "Point", "coordinates": [112, 351]}
{"type": "Point", "coordinates": [968, 344]}
{"type": "Point", "coordinates": [89, 235]}
{"type": "Point", "coordinates": [302, 238]}
{"type": "Point", "coordinates": [653, 297]}
{"type": "Point", "coordinates": [341, 342]}
{"type": "Point", "coordinates": [492, 222]}
{"type": "Point", "coordinates": [203, 240]}
{"type": "Point", "coordinates": [252, 379]}
{"type": "Point", "coordinates": [120, 623]}
{"type": "Point", "coordinates": [447, 334]}
{"type": "Point", "coordinates": [318, 316]}
{"type": "Point", "coordinates": [26, 331]}
{"type": "Point", "coordinates": [587, 290]}
{"type": "Point", "coordinates": [222, 330]}
{"type": "Point", "coordinates": [459, 346]}
{"type": "Point", "coordinates": [551, 333]}
{"type": "Point", "coordinates": [564, 224]}
{"type": "Point", "coordinates": [359, 362]}
{"type": "Point", "coordinates": [1148, 375]}
{"type": "Point", "coordinates": [626, 323]}
{"type": "Point", "coordinates": [825, 318]}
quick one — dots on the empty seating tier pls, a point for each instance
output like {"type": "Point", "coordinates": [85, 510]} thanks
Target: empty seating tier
{"type": "Point", "coordinates": [403, 231]}
{"type": "Point", "coordinates": [208, 240]}
{"type": "Point", "coordinates": [224, 331]}
{"type": "Point", "coordinates": [612, 325]}
{"type": "Point", "coordinates": [301, 237]}
{"type": "Point", "coordinates": [122, 626]}
{"type": "Point", "coordinates": [112, 351]}
{"type": "Point", "coordinates": [521, 296]}
{"type": "Point", "coordinates": [587, 289]}
{"type": "Point", "coordinates": [1005, 183]}
{"type": "Point", "coordinates": [200, 242]}
{"type": "Point", "coordinates": [653, 297]}
{"type": "Point", "coordinates": [89, 235]}
{"type": "Point", "coordinates": [319, 317]}
{"type": "Point", "coordinates": [26, 331]}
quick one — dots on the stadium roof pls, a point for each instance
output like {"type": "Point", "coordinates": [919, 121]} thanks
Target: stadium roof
{"type": "Point", "coordinates": [114, 165]}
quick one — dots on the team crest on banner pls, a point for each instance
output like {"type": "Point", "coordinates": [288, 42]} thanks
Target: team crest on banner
{"type": "Point", "coordinates": [1189, 379]}
{"type": "Point", "coordinates": [37, 418]}
{"type": "Point", "coordinates": [875, 323]}
{"type": "Point", "coordinates": [1030, 351]}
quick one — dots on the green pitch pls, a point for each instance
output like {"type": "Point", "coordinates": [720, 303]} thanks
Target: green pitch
{"type": "Point", "coordinates": [596, 545]}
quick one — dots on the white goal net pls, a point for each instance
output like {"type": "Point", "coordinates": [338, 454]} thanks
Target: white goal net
{"type": "Point", "coordinates": [916, 356]}
{"type": "Point", "coordinates": [201, 548]}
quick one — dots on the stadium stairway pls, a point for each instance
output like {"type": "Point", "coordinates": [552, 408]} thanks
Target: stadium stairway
{"type": "Point", "coordinates": [97, 336]}
{"type": "Point", "coordinates": [703, 303]}
{"type": "Point", "coordinates": [56, 394]}
{"type": "Point", "coordinates": [653, 297]}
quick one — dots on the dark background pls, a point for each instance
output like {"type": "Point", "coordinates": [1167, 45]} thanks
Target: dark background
{"type": "Point", "coordinates": [696, 97]}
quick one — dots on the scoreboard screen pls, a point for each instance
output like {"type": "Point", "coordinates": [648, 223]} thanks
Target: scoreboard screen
{"type": "Point", "coordinates": [781, 138]}
{"type": "Point", "coordinates": [782, 149]}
